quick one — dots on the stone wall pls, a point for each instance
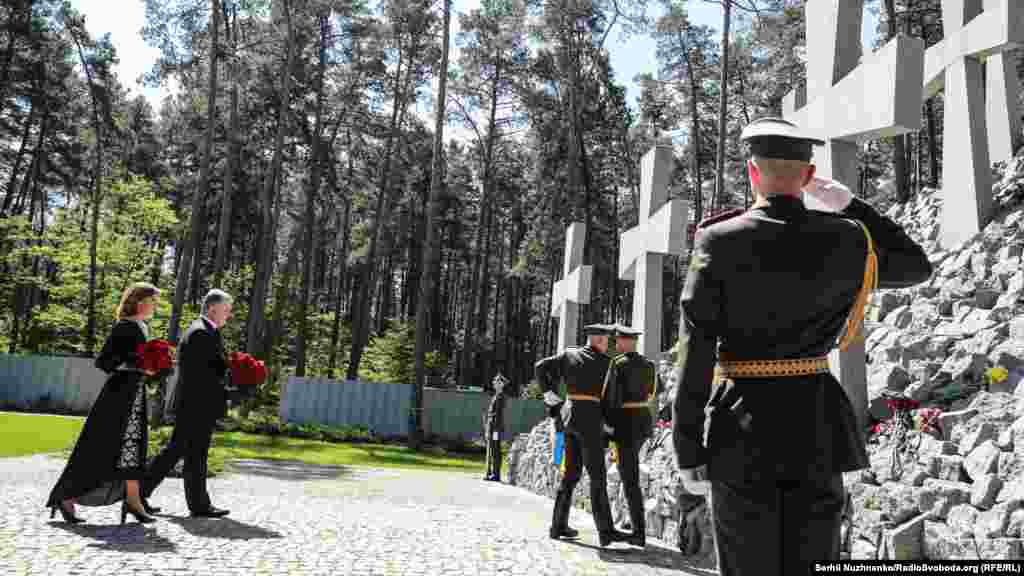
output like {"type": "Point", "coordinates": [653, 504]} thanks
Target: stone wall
{"type": "Point", "coordinates": [960, 493]}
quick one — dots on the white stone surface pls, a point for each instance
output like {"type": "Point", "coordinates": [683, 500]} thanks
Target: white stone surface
{"type": "Point", "coordinates": [574, 288]}
{"type": "Point", "coordinates": [659, 232]}
{"type": "Point", "coordinates": [974, 30]}
{"type": "Point", "coordinates": [847, 102]}
{"type": "Point", "coordinates": [1001, 89]}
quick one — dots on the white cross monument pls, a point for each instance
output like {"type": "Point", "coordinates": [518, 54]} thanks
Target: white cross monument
{"type": "Point", "coordinates": [955, 65]}
{"type": "Point", "coordinates": [847, 102]}
{"type": "Point", "coordinates": [573, 289]}
{"type": "Point", "coordinates": [659, 232]}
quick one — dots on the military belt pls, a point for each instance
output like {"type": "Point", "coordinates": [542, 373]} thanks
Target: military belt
{"type": "Point", "coordinates": [584, 397]}
{"type": "Point", "coordinates": [635, 405]}
{"type": "Point", "coordinates": [772, 368]}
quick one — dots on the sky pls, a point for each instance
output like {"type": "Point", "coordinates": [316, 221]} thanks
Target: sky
{"type": "Point", "coordinates": [629, 56]}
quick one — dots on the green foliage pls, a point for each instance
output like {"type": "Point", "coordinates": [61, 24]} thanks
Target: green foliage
{"type": "Point", "coordinates": [134, 227]}
{"type": "Point", "coordinates": [391, 357]}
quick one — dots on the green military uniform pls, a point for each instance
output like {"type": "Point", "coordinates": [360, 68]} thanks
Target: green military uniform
{"type": "Point", "coordinates": [583, 371]}
{"type": "Point", "coordinates": [631, 384]}
{"type": "Point", "coordinates": [778, 283]}
{"type": "Point", "coordinates": [493, 429]}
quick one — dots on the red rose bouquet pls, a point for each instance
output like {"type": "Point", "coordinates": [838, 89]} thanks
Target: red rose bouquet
{"type": "Point", "coordinates": [155, 356]}
{"type": "Point", "coordinates": [246, 371]}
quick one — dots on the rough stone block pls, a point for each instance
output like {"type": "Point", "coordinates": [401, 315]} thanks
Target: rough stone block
{"type": "Point", "coordinates": [983, 495]}
{"type": "Point", "coordinates": [994, 523]}
{"type": "Point", "coordinates": [939, 496]}
{"type": "Point", "coordinates": [961, 520]}
{"type": "Point", "coordinates": [987, 431]}
{"type": "Point", "coordinates": [906, 542]}
{"type": "Point", "coordinates": [941, 543]}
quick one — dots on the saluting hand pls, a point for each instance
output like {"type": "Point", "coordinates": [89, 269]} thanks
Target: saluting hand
{"type": "Point", "coordinates": [827, 194]}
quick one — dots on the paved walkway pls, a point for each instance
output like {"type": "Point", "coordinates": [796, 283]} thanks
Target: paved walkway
{"type": "Point", "coordinates": [309, 520]}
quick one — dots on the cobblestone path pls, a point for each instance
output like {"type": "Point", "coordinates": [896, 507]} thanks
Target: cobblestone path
{"type": "Point", "coordinates": [289, 518]}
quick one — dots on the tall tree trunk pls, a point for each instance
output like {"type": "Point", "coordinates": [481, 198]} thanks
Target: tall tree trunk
{"type": "Point", "coordinates": [933, 146]}
{"type": "Point", "coordinates": [723, 107]}
{"type": "Point", "coordinates": [698, 194]}
{"type": "Point", "coordinates": [234, 157]}
{"type": "Point", "coordinates": [97, 196]}
{"type": "Point", "coordinates": [311, 195]}
{"type": "Point", "coordinates": [361, 323]}
{"type": "Point", "coordinates": [9, 195]}
{"type": "Point", "coordinates": [189, 247]}
{"type": "Point", "coordinates": [265, 264]}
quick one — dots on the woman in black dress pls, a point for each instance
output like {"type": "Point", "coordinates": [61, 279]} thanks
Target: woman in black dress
{"type": "Point", "coordinates": [110, 455]}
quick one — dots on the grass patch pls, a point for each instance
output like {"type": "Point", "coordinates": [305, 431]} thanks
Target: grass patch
{"type": "Point", "coordinates": [26, 434]}
{"type": "Point", "coordinates": [249, 446]}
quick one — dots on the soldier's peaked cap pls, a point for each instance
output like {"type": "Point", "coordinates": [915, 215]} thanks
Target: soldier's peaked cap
{"type": "Point", "coordinates": [626, 331]}
{"type": "Point", "coordinates": [773, 137]}
{"type": "Point", "coordinates": [598, 329]}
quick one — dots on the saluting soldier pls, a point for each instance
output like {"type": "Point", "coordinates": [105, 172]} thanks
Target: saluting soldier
{"type": "Point", "coordinates": [631, 384]}
{"type": "Point", "coordinates": [583, 369]}
{"type": "Point", "coordinates": [773, 288]}
{"type": "Point", "coordinates": [494, 427]}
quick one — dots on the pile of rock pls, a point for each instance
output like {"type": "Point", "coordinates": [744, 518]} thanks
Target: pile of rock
{"type": "Point", "coordinates": [955, 494]}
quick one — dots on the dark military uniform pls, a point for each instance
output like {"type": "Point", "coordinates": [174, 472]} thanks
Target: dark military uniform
{"type": "Point", "coordinates": [493, 429]}
{"type": "Point", "coordinates": [631, 383]}
{"type": "Point", "coordinates": [777, 283]}
{"type": "Point", "coordinates": [583, 370]}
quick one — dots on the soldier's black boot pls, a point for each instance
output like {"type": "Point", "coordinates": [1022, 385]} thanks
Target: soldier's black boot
{"type": "Point", "coordinates": [638, 537]}
{"type": "Point", "coordinates": [560, 517]}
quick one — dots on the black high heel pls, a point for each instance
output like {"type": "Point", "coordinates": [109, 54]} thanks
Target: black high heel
{"type": "Point", "coordinates": [140, 517]}
{"type": "Point", "coordinates": [69, 517]}
{"type": "Point", "coordinates": [150, 509]}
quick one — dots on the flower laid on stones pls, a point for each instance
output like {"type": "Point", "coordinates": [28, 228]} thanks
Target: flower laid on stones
{"type": "Point", "coordinates": [246, 370]}
{"type": "Point", "coordinates": [902, 404]}
{"type": "Point", "coordinates": [927, 420]}
{"type": "Point", "coordinates": [996, 375]}
{"type": "Point", "coordinates": [662, 424]}
{"type": "Point", "coordinates": [155, 356]}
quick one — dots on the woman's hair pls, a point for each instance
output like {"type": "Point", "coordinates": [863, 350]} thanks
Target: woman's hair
{"type": "Point", "coordinates": [131, 298]}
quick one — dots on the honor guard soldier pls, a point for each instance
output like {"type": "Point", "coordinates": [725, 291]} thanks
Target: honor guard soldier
{"type": "Point", "coordinates": [583, 369]}
{"type": "Point", "coordinates": [769, 431]}
{"type": "Point", "coordinates": [492, 430]}
{"type": "Point", "coordinates": [631, 384]}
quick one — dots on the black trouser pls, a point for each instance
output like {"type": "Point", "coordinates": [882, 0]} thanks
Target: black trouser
{"type": "Point", "coordinates": [629, 472]}
{"type": "Point", "coordinates": [776, 529]}
{"type": "Point", "coordinates": [493, 455]}
{"type": "Point", "coordinates": [192, 443]}
{"type": "Point", "coordinates": [590, 450]}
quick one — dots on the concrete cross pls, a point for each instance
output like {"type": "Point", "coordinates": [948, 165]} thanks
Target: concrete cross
{"type": "Point", "coordinates": [659, 232]}
{"type": "Point", "coordinates": [574, 287]}
{"type": "Point", "coordinates": [847, 102]}
{"type": "Point", "coordinates": [955, 65]}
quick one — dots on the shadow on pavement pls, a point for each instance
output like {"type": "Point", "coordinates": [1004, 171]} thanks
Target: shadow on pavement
{"type": "Point", "coordinates": [127, 538]}
{"type": "Point", "coordinates": [223, 528]}
{"type": "Point", "coordinates": [289, 470]}
{"type": "Point", "coordinates": [652, 555]}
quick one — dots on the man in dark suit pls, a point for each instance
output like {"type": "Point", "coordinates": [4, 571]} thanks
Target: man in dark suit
{"type": "Point", "coordinates": [769, 431]}
{"type": "Point", "coordinates": [630, 387]}
{"type": "Point", "coordinates": [583, 370]}
{"type": "Point", "coordinates": [495, 425]}
{"type": "Point", "coordinates": [200, 399]}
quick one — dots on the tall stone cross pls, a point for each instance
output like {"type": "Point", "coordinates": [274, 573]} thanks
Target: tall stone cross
{"type": "Point", "coordinates": [955, 65]}
{"type": "Point", "coordinates": [574, 287]}
{"type": "Point", "coordinates": [845, 103]}
{"type": "Point", "coordinates": [660, 231]}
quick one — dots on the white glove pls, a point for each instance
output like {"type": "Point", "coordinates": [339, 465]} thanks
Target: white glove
{"type": "Point", "coordinates": [551, 399]}
{"type": "Point", "coordinates": [827, 195]}
{"type": "Point", "coordinates": [695, 481]}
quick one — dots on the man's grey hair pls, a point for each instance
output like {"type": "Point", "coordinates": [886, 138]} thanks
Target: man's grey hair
{"type": "Point", "coordinates": [216, 296]}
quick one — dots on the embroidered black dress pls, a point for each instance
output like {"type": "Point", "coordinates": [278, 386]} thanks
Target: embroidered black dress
{"type": "Point", "coordinates": [112, 446]}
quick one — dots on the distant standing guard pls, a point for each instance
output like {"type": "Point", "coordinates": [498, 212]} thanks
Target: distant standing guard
{"type": "Point", "coordinates": [583, 370]}
{"type": "Point", "coordinates": [773, 288]}
{"type": "Point", "coordinates": [631, 383]}
{"type": "Point", "coordinates": [494, 427]}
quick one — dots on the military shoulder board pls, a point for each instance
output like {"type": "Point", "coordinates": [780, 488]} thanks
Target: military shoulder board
{"type": "Point", "coordinates": [720, 217]}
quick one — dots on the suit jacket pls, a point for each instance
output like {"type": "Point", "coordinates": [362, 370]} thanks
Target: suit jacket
{"type": "Point", "coordinates": [631, 378]}
{"type": "Point", "coordinates": [583, 370]}
{"type": "Point", "coordinates": [496, 414]}
{"type": "Point", "coordinates": [202, 365]}
{"type": "Point", "coordinates": [777, 282]}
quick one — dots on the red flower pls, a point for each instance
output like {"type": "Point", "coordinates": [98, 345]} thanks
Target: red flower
{"type": "Point", "coordinates": [155, 356]}
{"type": "Point", "coordinates": [898, 404]}
{"type": "Point", "coordinates": [246, 370]}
